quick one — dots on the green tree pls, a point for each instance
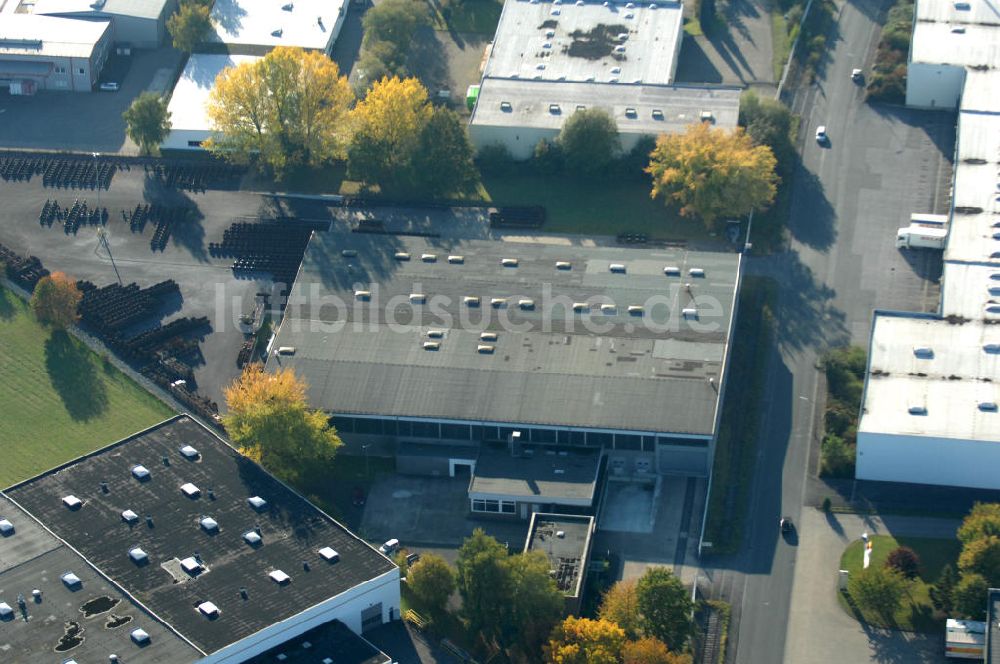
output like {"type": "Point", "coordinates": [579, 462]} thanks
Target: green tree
{"type": "Point", "coordinates": [942, 593]}
{"type": "Point", "coordinates": [270, 421]}
{"type": "Point", "coordinates": [147, 121]}
{"type": "Point", "coordinates": [768, 122]}
{"type": "Point", "coordinates": [982, 556]}
{"type": "Point", "coordinates": [55, 300]}
{"type": "Point", "coordinates": [982, 521]}
{"type": "Point", "coordinates": [536, 603]}
{"type": "Point", "coordinates": [589, 141]}
{"type": "Point", "coordinates": [432, 580]}
{"type": "Point", "coordinates": [190, 25]}
{"type": "Point", "coordinates": [483, 581]}
{"type": "Point", "coordinates": [620, 605]}
{"type": "Point", "coordinates": [970, 596]}
{"type": "Point", "coordinates": [878, 589]}
{"type": "Point", "coordinates": [389, 28]}
{"type": "Point", "coordinates": [665, 606]}
{"type": "Point", "coordinates": [442, 163]}
{"type": "Point", "coordinates": [289, 108]}
{"type": "Point", "coordinates": [585, 641]}
{"type": "Point", "coordinates": [845, 372]}
{"type": "Point", "coordinates": [712, 173]}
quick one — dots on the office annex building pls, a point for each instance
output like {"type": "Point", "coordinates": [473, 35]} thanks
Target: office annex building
{"type": "Point", "coordinates": [170, 546]}
{"type": "Point", "coordinates": [930, 408]}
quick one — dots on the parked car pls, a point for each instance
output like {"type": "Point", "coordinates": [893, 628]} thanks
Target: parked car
{"type": "Point", "coordinates": [390, 547]}
{"type": "Point", "coordinates": [821, 136]}
{"type": "Point", "coordinates": [786, 525]}
{"type": "Point", "coordinates": [412, 558]}
{"type": "Point", "coordinates": [857, 75]}
{"type": "Point", "coordinates": [109, 86]}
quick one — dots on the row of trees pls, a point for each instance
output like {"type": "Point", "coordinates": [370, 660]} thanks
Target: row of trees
{"type": "Point", "coordinates": [964, 593]}
{"type": "Point", "coordinates": [845, 375]}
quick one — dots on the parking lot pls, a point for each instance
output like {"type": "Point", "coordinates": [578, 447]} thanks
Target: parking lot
{"type": "Point", "coordinates": [81, 121]}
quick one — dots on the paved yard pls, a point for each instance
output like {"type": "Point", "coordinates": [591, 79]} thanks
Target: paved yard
{"type": "Point", "coordinates": [737, 53]}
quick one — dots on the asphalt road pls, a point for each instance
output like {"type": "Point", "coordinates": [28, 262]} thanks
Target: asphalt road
{"type": "Point", "coordinates": [881, 164]}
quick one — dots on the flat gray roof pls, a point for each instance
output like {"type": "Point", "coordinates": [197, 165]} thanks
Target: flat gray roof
{"type": "Point", "coordinates": [32, 558]}
{"type": "Point", "coordinates": [577, 40]}
{"type": "Point", "coordinates": [550, 365]}
{"type": "Point", "coordinates": [637, 109]}
{"type": "Point", "coordinates": [536, 473]}
{"type": "Point", "coordinates": [565, 541]}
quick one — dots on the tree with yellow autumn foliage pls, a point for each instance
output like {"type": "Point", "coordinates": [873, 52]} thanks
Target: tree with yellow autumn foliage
{"type": "Point", "coordinates": [585, 641]}
{"type": "Point", "coordinates": [55, 300]}
{"type": "Point", "coordinates": [270, 421]}
{"type": "Point", "coordinates": [651, 651]}
{"type": "Point", "coordinates": [712, 173]}
{"type": "Point", "coordinates": [289, 108]}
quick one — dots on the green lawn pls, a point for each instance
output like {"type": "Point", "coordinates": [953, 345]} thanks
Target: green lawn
{"type": "Point", "coordinates": [916, 612]}
{"type": "Point", "coordinates": [59, 400]}
{"type": "Point", "coordinates": [604, 207]}
{"type": "Point", "coordinates": [780, 42]}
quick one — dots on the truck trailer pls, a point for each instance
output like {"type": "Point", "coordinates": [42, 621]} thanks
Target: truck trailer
{"type": "Point", "coordinates": [927, 231]}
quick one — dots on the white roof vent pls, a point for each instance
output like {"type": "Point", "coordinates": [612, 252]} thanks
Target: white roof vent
{"type": "Point", "coordinates": [988, 406]}
{"type": "Point", "coordinates": [456, 259]}
{"type": "Point", "coordinates": [696, 272]}
{"type": "Point", "coordinates": [402, 256]}
{"type": "Point", "coordinates": [6, 528]}
{"type": "Point", "coordinates": [252, 538]}
{"type": "Point", "coordinates": [328, 554]}
{"type": "Point", "coordinates": [432, 345]}
{"type": "Point", "coordinates": [923, 352]}
{"type": "Point", "coordinates": [435, 334]}
{"type": "Point", "coordinates": [581, 307]}
{"type": "Point", "coordinates": [72, 502]}
{"type": "Point", "coordinates": [991, 348]}
{"type": "Point", "coordinates": [140, 636]}
{"type": "Point", "coordinates": [554, 109]}
{"type": "Point", "coordinates": [918, 410]}
{"type": "Point", "coordinates": [636, 309]}
{"type": "Point", "coordinates": [137, 555]}
{"type": "Point", "coordinates": [417, 298]}
{"type": "Point", "coordinates": [486, 349]}
{"type": "Point", "coordinates": [128, 516]}
{"type": "Point", "coordinates": [349, 253]}
{"type": "Point", "coordinates": [209, 525]}
{"type": "Point", "coordinates": [657, 114]}
{"type": "Point", "coordinates": [506, 107]}
{"type": "Point", "coordinates": [617, 267]}
{"type": "Point", "coordinates": [563, 265]}
{"type": "Point", "coordinates": [526, 303]}
{"type": "Point", "coordinates": [191, 565]}
{"type": "Point", "coordinates": [609, 309]}
{"type": "Point", "coordinates": [362, 295]}
{"type": "Point", "coordinates": [689, 312]}
{"type": "Point", "coordinates": [257, 502]}
{"type": "Point", "coordinates": [140, 472]}
{"type": "Point", "coordinates": [279, 577]}
{"type": "Point", "coordinates": [487, 336]}
{"type": "Point", "coordinates": [498, 302]}
{"type": "Point", "coordinates": [71, 580]}
{"type": "Point", "coordinates": [209, 610]}
{"type": "Point", "coordinates": [429, 258]}
{"type": "Point", "coordinates": [189, 452]}
{"type": "Point", "coordinates": [508, 262]}
{"type": "Point", "coordinates": [6, 613]}
{"type": "Point", "coordinates": [190, 490]}
{"type": "Point", "coordinates": [672, 271]}
{"type": "Point", "coordinates": [471, 301]}
{"type": "Point", "coordinates": [706, 116]}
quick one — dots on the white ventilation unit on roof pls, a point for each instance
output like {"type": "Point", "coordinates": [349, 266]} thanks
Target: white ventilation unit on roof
{"type": "Point", "coordinates": [279, 577]}
{"type": "Point", "coordinates": [71, 580]}
{"type": "Point", "coordinates": [139, 636]}
{"type": "Point", "coordinates": [72, 502]}
{"type": "Point", "coordinates": [917, 410]}
{"type": "Point", "coordinates": [137, 555]}
{"type": "Point", "coordinates": [190, 490]}
{"type": "Point", "coordinates": [689, 313]}
{"type": "Point", "coordinates": [402, 256]}
{"type": "Point", "coordinates": [609, 309]}
{"type": "Point", "coordinates": [140, 472]}
{"type": "Point", "coordinates": [435, 334]}
{"type": "Point", "coordinates": [506, 107]}
{"type": "Point", "coordinates": [508, 262]}
{"type": "Point", "coordinates": [707, 116]}
{"type": "Point", "coordinates": [486, 349]}
{"type": "Point", "coordinates": [362, 295]}
{"type": "Point", "coordinates": [550, 33]}
{"type": "Point", "coordinates": [636, 309]}
{"type": "Point", "coordinates": [923, 352]}
{"type": "Point", "coordinates": [498, 302]}
{"type": "Point", "coordinates": [328, 554]}
{"type": "Point", "coordinates": [6, 527]}
{"type": "Point", "coordinates": [696, 272]}
{"type": "Point", "coordinates": [252, 538]}
{"type": "Point", "coordinates": [456, 259]}
{"type": "Point", "coordinates": [432, 345]}
{"type": "Point", "coordinates": [208, 524]}
{"type": "Point", "coordinates": [257, 502]}
{"type": "Point", "coordinates": [417, 298]}
{"type": "Point", "coordinates": [988, 406]}
{"type": "Point", "coordinates": [128, 516]}
{"type": "Point", "coordinates": [487, 336]}
{"type": "Point", "coordinates": [349, 253]}
{"type": "Point", "coordinates": [191, 565]}
{"type": "Point", "coordinates": [991, 348]}
{"type": "Point", "coordinates": [471, 301]}
{"type": "Point", "coordinates": [672, 271]}
{"type": "Point", "coordinates": [6, 613]}
{"type": "Point", "coordinates": [526, 303]}
{"type": "Point", "coordinates": [209, 610]}
{"type": "Point", "coordinates": [429, 258]}
{"type": "Point", "coordinates": [581, 307]}
{"type": "Point", "coordinates": [189, 452]}
{"type": "Point", "coordinates": [563, 265]}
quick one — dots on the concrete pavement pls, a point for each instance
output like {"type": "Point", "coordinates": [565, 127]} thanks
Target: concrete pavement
{"type": "Point", "coordinates": [818, 628]}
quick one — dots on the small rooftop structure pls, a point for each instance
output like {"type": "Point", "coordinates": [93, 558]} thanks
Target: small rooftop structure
{"type": "Point", "coordinates": [565, 540]}
{"type": "Point", "coordinates": [536, 474]}
{"type": "Point", "coordinates": [49, 36]}
{"type": "Point", "coordinates": [193, 567]}
{"type": "Point", "coordinates": [253, 27]}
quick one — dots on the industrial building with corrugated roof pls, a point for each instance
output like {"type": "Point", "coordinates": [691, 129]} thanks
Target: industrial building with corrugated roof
{"type": "Point", "coordinates": [228, 559]}
{"type": "Point", "coordinates": [421, 332]}
{"type": "Point", "coordinates": [49, 53]}
{"type": "Point", "coordinates": [551, 58]}
{"type": "Point", "coordinates": [929, 413]}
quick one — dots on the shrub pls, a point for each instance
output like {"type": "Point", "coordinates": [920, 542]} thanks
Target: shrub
{"type": "Point", "coordinates": [495, 159]}
{"type": "Point", "coordinates": [838, 457]}
{"type": "Point", "coordinates": [904, 560]}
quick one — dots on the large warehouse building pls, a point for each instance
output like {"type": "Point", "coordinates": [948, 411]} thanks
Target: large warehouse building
{"type": "Point", "coordinates": [550, 59]}
{"type": "Point", "coordinates": [930, 408]}
{"type": "Point", "coordinates": [450, 333]}
{"type": "Point", "coordinates": [210, 558]}
{"type": "Point", "coordinates": [47, 53]}
{"type": "Point", "coordinates": [137, 23]}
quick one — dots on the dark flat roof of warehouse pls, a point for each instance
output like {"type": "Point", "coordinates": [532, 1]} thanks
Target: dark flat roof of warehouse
{"type": "Point", "coordinates": [567, 554]}
{"type": "Point", "coordinates": [542, 472]}
{"type": "Point", "coordinates": [550, 371]}
{"type": "Point", "coordinates": [332, 640]}
{"type": "Point", "coordinates": [293, 531]}
{"type": "Point", "coordinates": [32, 558]}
